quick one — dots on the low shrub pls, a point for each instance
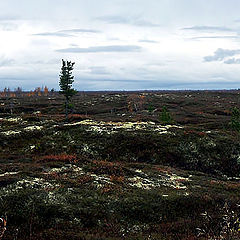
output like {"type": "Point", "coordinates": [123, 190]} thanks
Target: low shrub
{"type": "Point", "coordinates": [235, 119]}
{"type": "Point", "coordinates": [59, 158]}
{"type": "Point", "coordinates": [105, 167]}
{"type": "Point", "coordinates": [223, 224]}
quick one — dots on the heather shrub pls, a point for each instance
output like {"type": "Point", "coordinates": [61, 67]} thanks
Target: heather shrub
{"type": "Point", "coordinates": [224, 224]}
{"type": "Point", "coordinates": [105, 167]}
{"type": "Point", "coordinates": [235, 119]}
{"type": "Point", "coordinates": [59, 158]}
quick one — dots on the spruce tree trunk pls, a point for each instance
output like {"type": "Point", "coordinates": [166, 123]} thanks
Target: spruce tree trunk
{"type": "Point", "coordinates": [66, 109]}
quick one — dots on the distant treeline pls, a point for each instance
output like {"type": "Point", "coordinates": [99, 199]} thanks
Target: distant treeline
{"type": "Point", "coordinates": [18, 92]}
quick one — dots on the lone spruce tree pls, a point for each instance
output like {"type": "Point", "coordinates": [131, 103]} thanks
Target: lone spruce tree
{"type": "Point", "coordinates": [65, 83]}
{"type": "Point", "coordinates": [165, 116]}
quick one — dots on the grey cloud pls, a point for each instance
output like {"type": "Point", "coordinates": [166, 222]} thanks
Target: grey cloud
{"type": "Point", "coordinates": [113, 48]}
{"type": "Point", "coordinates": [209, 28]}
{"type": "Point", "coordinates": [42, 62]}
{"type": "Point", "coordinates": [117, 80]}
{"type": "Point", "coordinates": [130, 21]}
{"type": "Point", "coordinates": [148, 41]}
{"type": "Point", "coordinates": [220, 54]}
{"type": "Point", "coordinates": [114, 39]}
{"type": "Point", "coordinates": [80, 30]}
{"type": "Point", "coordinates": [144, 23]}
{"type": "Point", "coordinates": [40, 42]}
{"type": "Point", "coordinates": [123, 80]}
{"type": "Point", "coordinates": [66, 32]}
{"type": "Point", "coordinates": [99, 70]}
{"type": "Point", "coordinates": [232, 61]}
{"type": "Point", "coordinates": [217, 37]}
{"type": "Point", "coordinates": [73, 45]}
{"type": "Point", "coordinates": [114, 19]}
{"type": "Point", "coordinates": [5, 61]}
{"type": "Point", "coordinates": [8, 18]}
{"type": "Point", "coordinates": [8, 26]}
{"type": "Point", "coordinates": [53, 34]}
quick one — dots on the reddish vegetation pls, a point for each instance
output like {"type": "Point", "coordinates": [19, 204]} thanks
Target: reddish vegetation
{"type": "Point", "coordinates": [117, 179]}
{"type": "Point", "coordinates": [84, 179]}
{"type": "Point", "coordinates": [104, 167]}
{"type": "Point", "coordinates": [59, 158]}
{"type": "Point", "coordinates": [163, 170]}
{"type": "Point", "coordinates": [188, 132]}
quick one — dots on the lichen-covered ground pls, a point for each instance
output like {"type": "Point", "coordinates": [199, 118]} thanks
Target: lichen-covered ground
{"type": "Point", "coordinates": [100, 179]}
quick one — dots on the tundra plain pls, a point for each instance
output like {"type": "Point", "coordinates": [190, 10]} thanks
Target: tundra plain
{"type": "Point", "coordinates": [114, 170]}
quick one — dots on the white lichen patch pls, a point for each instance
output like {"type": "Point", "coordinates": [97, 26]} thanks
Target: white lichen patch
{"type": "Point", "coordinates": [172, 126]}
{"type": "Point", "coordinates": [28, 183]}
{"type": "Point", "coordinates": [100, 180]}
{"type": "Point", "coordinates": [55, 198]}
{"type": "Point", "coordinates": [73, 171]}
{"type": "Point", "coordinates": [176, 181]}
{"type": "Point", "coordinates": [97, 129]}
{"type": "Point", "coordinates": [19, 131]}
{"type": "Point", "coordinates": [16, 119]}
{"type": "Point", "coordinates": [10, 133]}
{"type": "Point", "coordinates": [33, 128]}
{"type": "Point", "coordinates": [145, 181]}
{"type": "Point", "coordinates": [38, 183]}
{"type": "Point", "coordinates": [88, 149]}
{"type": "Point", "coordinates": [68, 169]}
{"type": "Point", "coordinates": [113, 127]}
{"type": "Point", "coordinates": [8, 174]}
{"type": "Point", "coordinates": [37, 112]}
{"type": "Point", "coordinates": [233, 178]}
{"type": "Point", "coordinates": [32, 147]}
{"type": "Point", "coordinates": [141, 182]}
{"type": "Point", "coordinates": [84, 122]}
{"type": "Point", "coordinates": [163, 132]}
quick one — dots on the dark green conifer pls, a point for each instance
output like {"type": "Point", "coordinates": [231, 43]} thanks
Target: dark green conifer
{"type": "Point", "coordinates": [235, 119]}
{"type": "Point", "coordinates": [165, 116]}
{"type": "Point", "coordinates": [65, 83]}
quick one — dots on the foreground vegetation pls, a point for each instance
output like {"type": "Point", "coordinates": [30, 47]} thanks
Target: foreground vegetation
{"type": "Point", "coordinates": [119, 174]}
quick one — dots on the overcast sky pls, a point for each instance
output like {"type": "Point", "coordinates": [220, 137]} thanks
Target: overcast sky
{"type": "Point", "coordinates": [121, 44]}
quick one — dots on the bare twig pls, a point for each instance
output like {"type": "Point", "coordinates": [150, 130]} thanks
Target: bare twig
{"type": "Point", "coordinates": [3, 226]}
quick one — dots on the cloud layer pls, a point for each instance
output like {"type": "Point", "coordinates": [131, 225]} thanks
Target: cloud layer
{"type": "Point", "coordinates": [209, 29]}
{"type": "Point", "coordinates": [99, 49]}
{"type": "Point", "coordinates": [135, 21]}
{"type": "Point", "coordinates": [221, 54]}
{"type": "Point", "coordinates": [66, 32]}
{"type": "Point", "coordinates": [121, 44]}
